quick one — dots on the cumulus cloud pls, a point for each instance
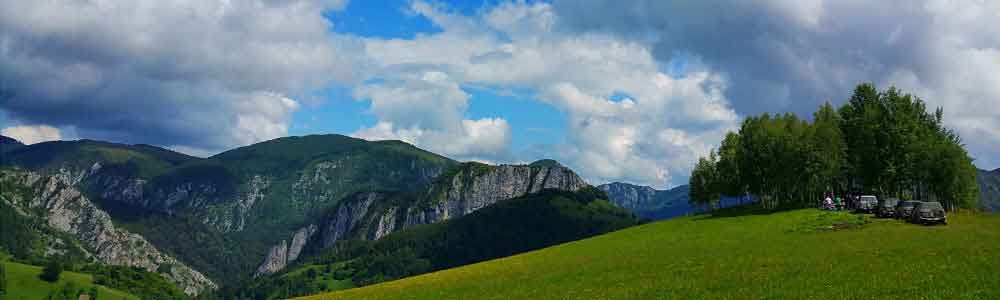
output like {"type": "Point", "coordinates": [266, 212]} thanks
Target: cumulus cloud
{"type": "Point", "coordinates": [793, 55]}
{"type": "Point", "coordinates": [202, 75]}
{"type": "Point", "coordinates": [31, 134]}
{"type": "Point", "coordinates": [648, 137]}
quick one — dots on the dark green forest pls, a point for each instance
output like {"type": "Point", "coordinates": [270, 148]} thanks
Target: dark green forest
{"type": "Point", "coordinates": [884, 143]}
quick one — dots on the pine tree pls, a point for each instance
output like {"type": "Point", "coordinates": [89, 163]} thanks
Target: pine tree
{"type": "Point", "coordinates": [52, 271]}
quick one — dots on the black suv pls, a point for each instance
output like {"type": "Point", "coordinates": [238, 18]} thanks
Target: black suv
{"type": "Point", "coordinates": [928, 213]}
{"type": "Point", "coordinates": [886, 207]}
{"type": "Point", "coordinates": [905, 208]}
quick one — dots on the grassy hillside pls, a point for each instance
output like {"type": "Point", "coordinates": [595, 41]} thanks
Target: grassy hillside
{"type": "Point", "coordinates": [23, 283]}
{"type": "Point", "coordinates": [736, 254]}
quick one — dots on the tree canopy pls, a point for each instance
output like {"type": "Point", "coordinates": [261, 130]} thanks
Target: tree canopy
{"type": "Point", "coordinates": [883, 143]}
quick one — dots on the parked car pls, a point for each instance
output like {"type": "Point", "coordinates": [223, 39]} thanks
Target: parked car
{"type": "Point", "coordinates": [867, 204]}
{"type": "Point", "coordinates": [886, 207]}
{"type": "Point", "coordinates": [904, 209]}
{"type": "Point", "coordinates": [928, 213]}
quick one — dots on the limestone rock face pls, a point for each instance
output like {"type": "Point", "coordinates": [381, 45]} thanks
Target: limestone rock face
{"type": "Point", "coordinates": [284, 253]}
{"type": "Point", "coordinates": [470, 191]}
{"type": "Point", "coordinates": [352, 211]}
{"type": "Point", "coordinates": [471, 188]}
{"type": "Point", "coordinates": [66, 209]}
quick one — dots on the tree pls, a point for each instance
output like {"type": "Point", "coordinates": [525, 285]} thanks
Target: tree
{"type": "Point", "coordinates": [704, 182]}
{"type": "Point", "coordinates": [884, 143]}
{"type": "Point", "coordinates": [3, 278]}
{"type": "Point", "coordinates": [52, 271]}
{"type": "Point", "coordinates": [93, 292]}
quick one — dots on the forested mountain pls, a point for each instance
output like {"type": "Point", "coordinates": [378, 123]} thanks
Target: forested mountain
{"type": "Point", "coordinates": [885, 143]}
{"type": "Point", "coordinates": [254, 210]}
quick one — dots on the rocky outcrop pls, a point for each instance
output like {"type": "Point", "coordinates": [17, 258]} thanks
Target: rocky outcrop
{"type": "Point", "coordinates": [65, 209]}
{"type": "Point", "coordinates": [348, 215]}
{"type": "Point", "coordinates": [336, 228]}
{"type": "Point", "coordinates": [471, 188]}
{"type": "Point", "coordinates": [284, 253]}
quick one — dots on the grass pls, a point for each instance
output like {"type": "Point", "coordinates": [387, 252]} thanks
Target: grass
{"type": "Point", "coordinates": [782, 255]}
{"type": "Point", "coordinates": [23, 283]}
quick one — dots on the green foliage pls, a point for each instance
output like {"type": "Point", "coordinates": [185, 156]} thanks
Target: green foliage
{"type": "Point", "coordinates": [226, 258]}
{"type": "Point", "coordinates": [3, 278]}
{"type": "Point", "coordinates": [141, 161]}
{"type": "Point", "coordinates": [705, 181]}
{"type": "Point", "coordinates": [503, 229]}
{"type": "Point", "coordinates": [135, 281]}
{"type": "Point", "coordinates": [24, 283]}
{"type": "Point", "coordinates": [52, 271]}
{"type": "Point", "coordinates": [732, 255]}
{"type": "Point", "coordinates": [882, 143]}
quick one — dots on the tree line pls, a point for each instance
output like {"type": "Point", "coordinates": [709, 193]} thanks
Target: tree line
{"type": "Point", "coordinates": [884, 143]}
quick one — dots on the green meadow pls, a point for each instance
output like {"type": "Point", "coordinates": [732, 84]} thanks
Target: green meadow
{"type": "Point", "coordinates": [23, 283]}
{"type": "Point", "coordinates": [742, 253]}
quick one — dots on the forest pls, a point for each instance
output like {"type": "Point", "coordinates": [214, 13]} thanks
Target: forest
{"type": "Point", "coordinates": [883, 143]}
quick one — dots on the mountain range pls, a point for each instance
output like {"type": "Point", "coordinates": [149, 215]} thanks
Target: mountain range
{"type": "Point", "coordinates": [251, 211]}
{"type": "Point", "coordinates": [248, 218]}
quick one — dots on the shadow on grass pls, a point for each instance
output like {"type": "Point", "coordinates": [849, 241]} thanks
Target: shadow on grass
{"type": "Point", "coordinates": [751, 209]}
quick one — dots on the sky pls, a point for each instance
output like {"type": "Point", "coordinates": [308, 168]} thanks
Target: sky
{"type": "Point", "coordinates": [631, 91]}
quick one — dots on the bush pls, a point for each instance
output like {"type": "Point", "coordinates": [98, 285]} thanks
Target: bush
{"type": "Point", "coordinates": [52, 271]}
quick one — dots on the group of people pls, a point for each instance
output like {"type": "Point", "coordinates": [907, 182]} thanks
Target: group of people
{"type": "Point", "coordinates": [837, 203]}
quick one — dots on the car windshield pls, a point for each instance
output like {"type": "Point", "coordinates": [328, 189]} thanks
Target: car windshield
{"type": "Point", "coordinates": [889, 203]}
{"type": "Point", "coordinates": [930, 206]}
{"type": "Point", "coordinates": [908, 204]}
{"type": "Point", "coordinates": [867, 198]}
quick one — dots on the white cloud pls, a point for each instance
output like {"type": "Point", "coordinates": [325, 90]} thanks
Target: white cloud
{"type": "Point", "coordinates": [780, 56]}
{"type": "Point", "coordinates": [31, 134]}
{"type": "Point", "coordinates": [198, 74]}
{"type": "Point", "coordinates": [517, 46]}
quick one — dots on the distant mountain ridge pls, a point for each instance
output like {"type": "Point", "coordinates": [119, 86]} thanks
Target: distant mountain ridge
{"type": "Point", "coordinates": [989, 189]}
{"type": "Point", "coordinates": [653, 204]}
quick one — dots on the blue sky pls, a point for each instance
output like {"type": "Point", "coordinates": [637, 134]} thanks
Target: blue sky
{"type": "Point", "coordinates": [617, 90]}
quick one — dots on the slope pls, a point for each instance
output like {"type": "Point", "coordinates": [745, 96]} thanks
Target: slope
{"type": "Point", "coordinates": [748, 255]}
{"type": "Point", "coordinates": [506, 228]}
{"type": "Point", "coordinates": [23, 283]}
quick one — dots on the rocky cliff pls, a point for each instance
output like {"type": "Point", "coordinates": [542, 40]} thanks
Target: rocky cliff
{"type": "Point", "coordinates": [462, 190]}
{"type": "Point", "coordinates": [64, 208]}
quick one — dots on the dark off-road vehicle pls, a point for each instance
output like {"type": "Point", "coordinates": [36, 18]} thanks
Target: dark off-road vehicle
{"type": "Point", "coordinates": [928, 213]}
{"type": "Point", "coordinates": [886, 208]}
{"type": "Point", "coordinates": [866, 204]}
{"type": "Point", "coordinates": [905, 208]}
